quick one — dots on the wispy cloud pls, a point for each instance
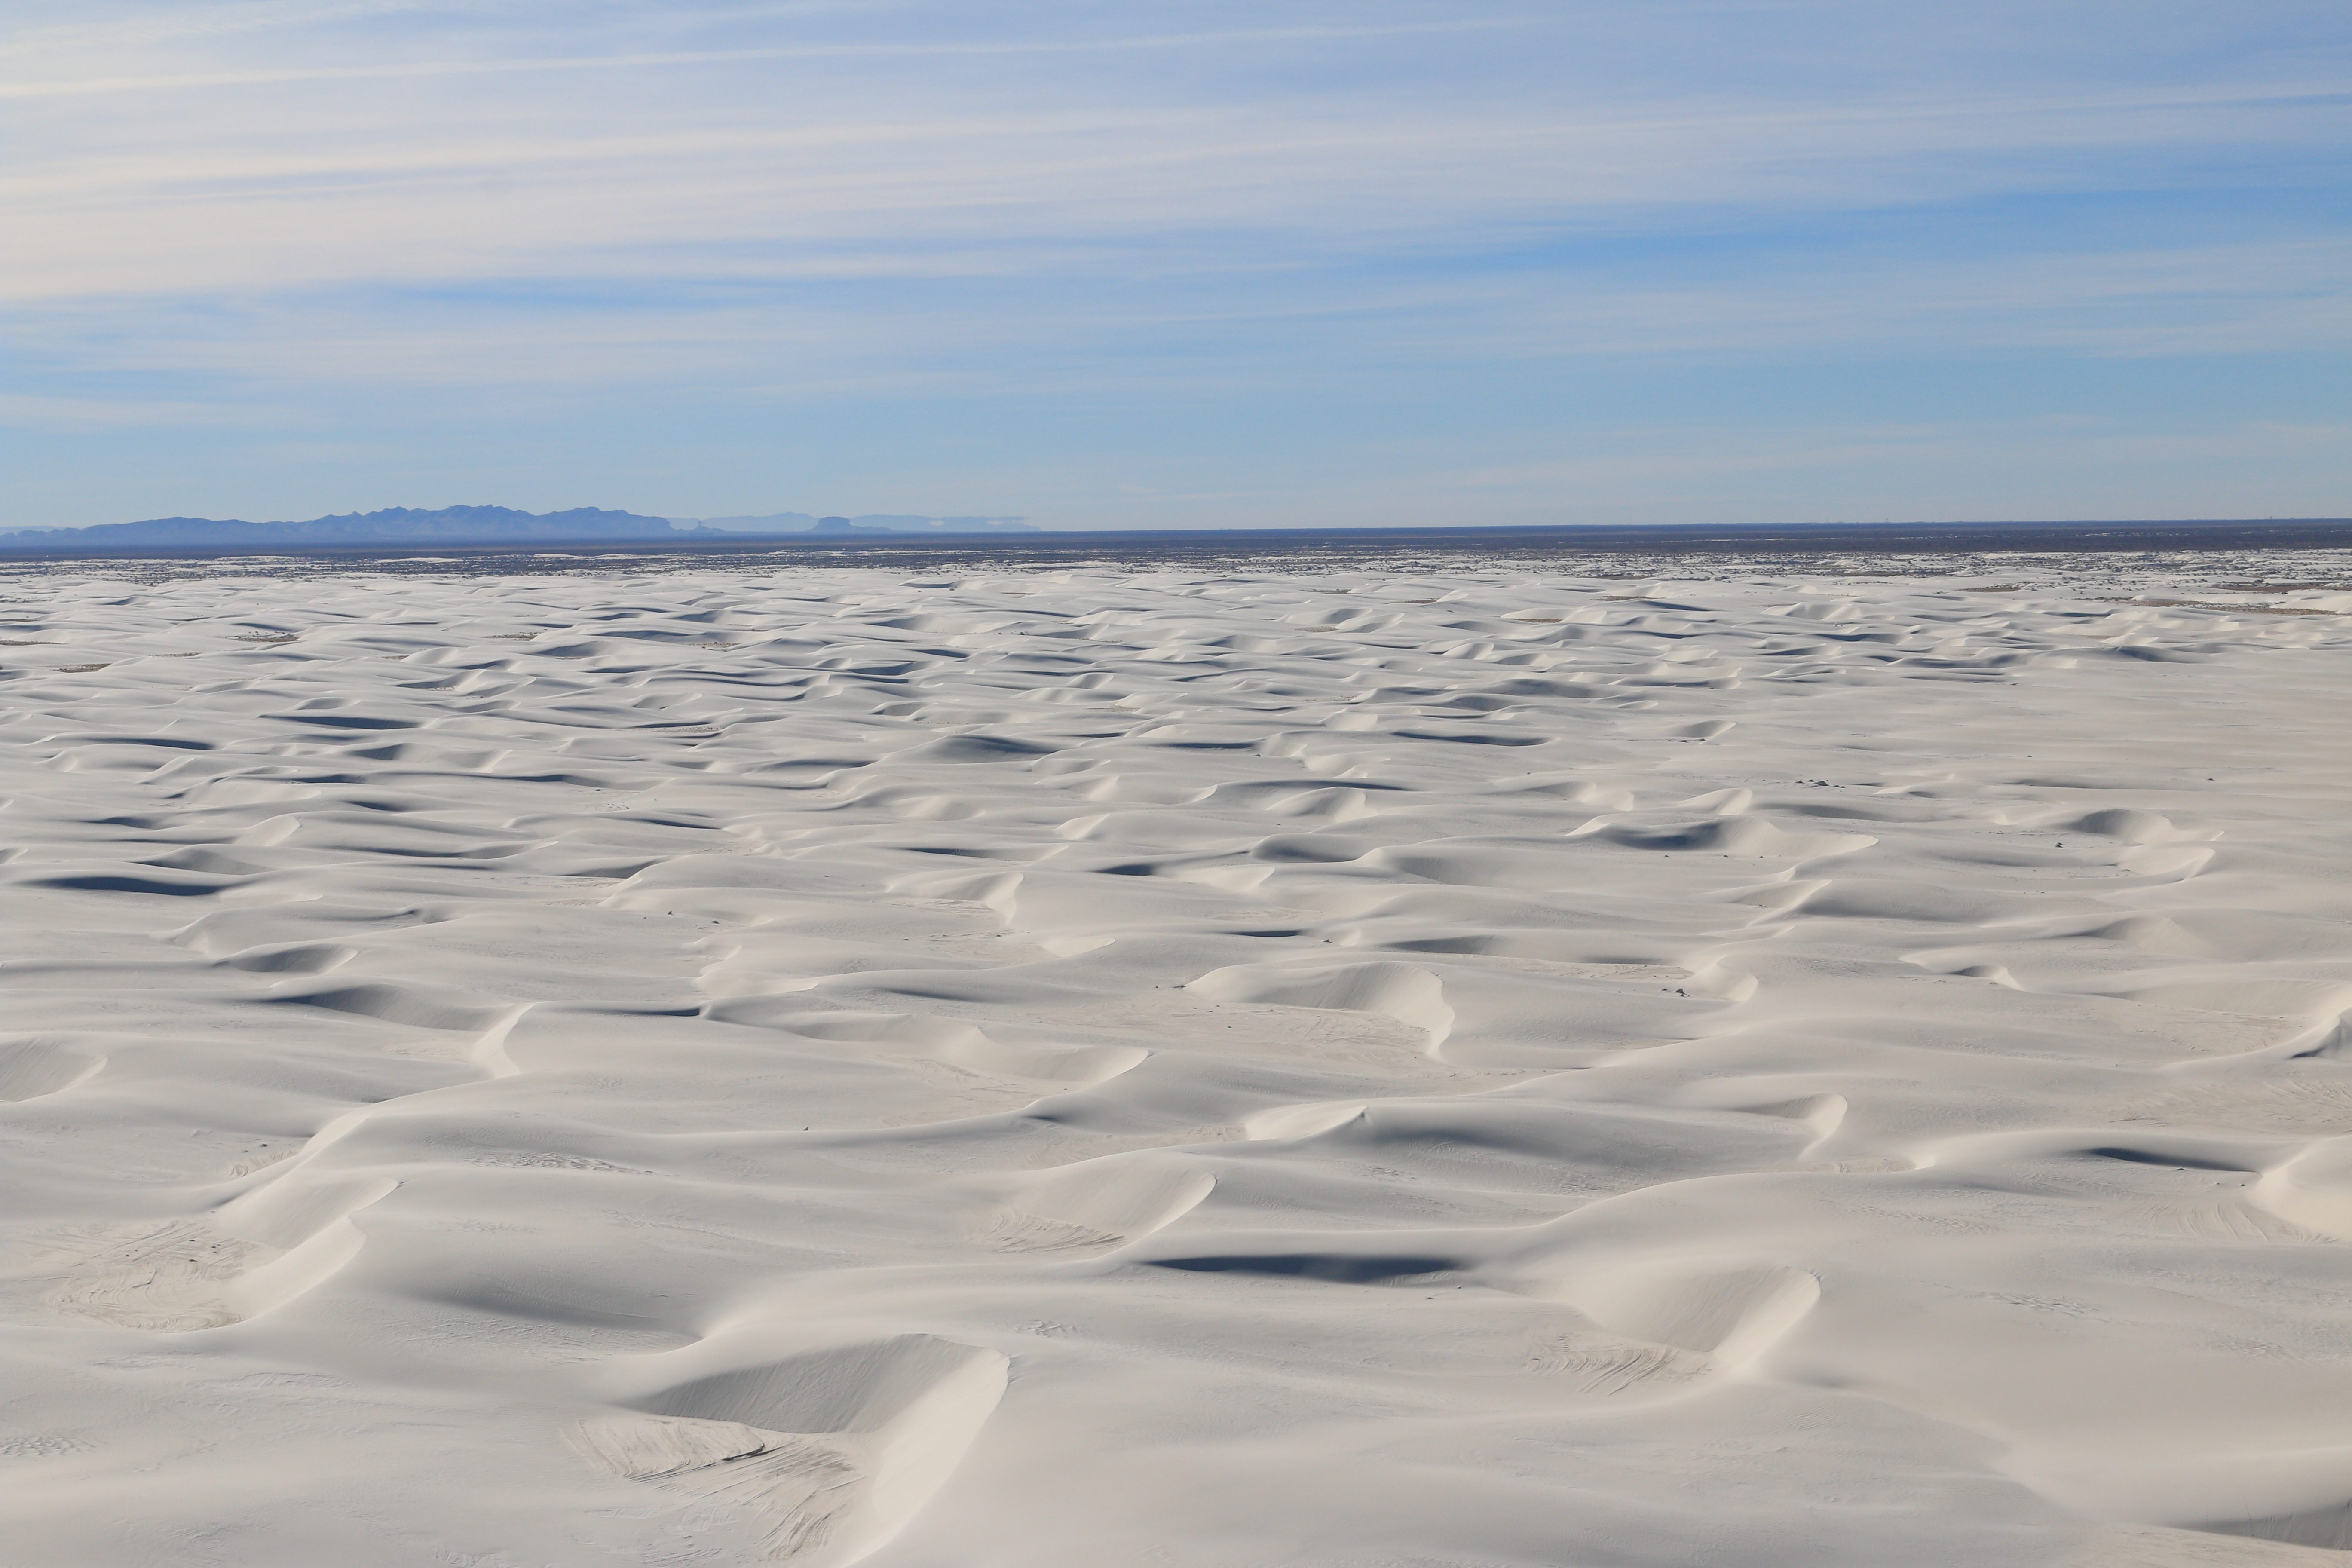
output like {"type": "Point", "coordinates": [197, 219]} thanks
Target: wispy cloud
{"type": "Point", "coordinates": [53, 414]}
{"type": "Point", "coordinates": [249, 208]}
{"type": "Point", "coordinates": [874, 51]}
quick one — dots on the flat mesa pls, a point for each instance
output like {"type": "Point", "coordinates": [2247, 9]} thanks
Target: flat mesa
{"type": "Point", "coordinates": [1219, 1065]}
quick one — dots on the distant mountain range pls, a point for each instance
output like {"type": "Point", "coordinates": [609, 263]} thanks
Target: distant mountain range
{"type": "Point", "coordinates": [802, 522]}
{"type": "Point", "coordinates": [479, 525]}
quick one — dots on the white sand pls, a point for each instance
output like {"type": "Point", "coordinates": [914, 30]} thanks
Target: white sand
{"type": "Point", "coordinates": [1082, 1070]}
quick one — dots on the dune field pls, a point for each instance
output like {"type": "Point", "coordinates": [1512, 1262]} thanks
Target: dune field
{"type": "Point", "coordinates": [1360, 1068]}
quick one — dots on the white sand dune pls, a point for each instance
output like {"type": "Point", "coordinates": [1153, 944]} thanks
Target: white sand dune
{"type": "Point", "coordinates": [1101, 1068]}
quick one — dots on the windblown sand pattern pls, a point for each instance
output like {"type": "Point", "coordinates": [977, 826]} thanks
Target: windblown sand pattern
{"type": "Point", "coordinates": [1091, 1069]}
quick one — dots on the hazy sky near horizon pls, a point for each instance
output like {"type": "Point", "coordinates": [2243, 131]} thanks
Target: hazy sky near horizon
{"type": "Point", "coordinates": [1202, 264]}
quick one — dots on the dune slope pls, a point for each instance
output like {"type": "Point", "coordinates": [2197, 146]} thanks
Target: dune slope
{"type": "Point", "coordinates": [1097, 1068]}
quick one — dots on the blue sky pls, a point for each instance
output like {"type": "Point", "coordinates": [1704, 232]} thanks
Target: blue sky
{"type": "Point", "coordinates": [1158, 266]}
